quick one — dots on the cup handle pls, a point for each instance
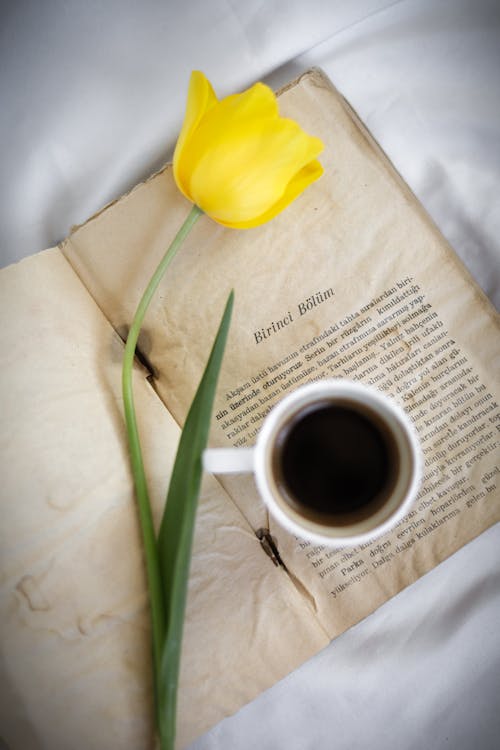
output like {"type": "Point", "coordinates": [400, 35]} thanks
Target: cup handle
{"type": "Point", "coordinates": [228, 460]}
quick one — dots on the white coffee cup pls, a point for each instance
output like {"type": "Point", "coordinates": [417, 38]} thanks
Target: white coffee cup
{"type": "Point", "coordinates": [379, 469]}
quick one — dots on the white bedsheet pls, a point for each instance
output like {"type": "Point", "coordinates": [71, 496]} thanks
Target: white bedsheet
{"type": "Point", "coordinates": [92, 95]}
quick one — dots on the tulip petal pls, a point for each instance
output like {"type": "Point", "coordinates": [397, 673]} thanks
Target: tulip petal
{"type": "Point", "coordinates": [245, 170]}
{"type": "Point", "coordinates": [256, 103]}
{"type": "Point", "coordinates": [200, 100]}
{"type": "Point", "coordinates": [307, 175]}
{"type": "Point", "coordinates": [224, 122]}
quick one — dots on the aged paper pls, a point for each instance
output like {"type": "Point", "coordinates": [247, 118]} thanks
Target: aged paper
{"type": "Point", "coordinates": [74, 620]}
{"type": "Point", "coordinates": [353, 280]}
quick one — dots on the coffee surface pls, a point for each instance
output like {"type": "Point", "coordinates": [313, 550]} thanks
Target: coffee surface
{"type": "Point", "coordinates": [333, 459]}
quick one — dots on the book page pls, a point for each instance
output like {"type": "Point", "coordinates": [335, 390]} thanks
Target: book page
{"type": "Point", "coordinates": [352, 280]}
{"type": "Point", "coordinates": [75, 659]}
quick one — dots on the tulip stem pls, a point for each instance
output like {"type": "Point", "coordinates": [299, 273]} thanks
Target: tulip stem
{"type": "Point", "coordinates": [157, 603]}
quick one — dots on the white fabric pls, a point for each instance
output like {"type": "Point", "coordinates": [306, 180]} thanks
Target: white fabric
{"type": "Point", "coordinates": [92, 95]}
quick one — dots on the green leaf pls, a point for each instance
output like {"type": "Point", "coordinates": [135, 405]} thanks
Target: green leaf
{"type": "Point", "coordinates": [176, 530]}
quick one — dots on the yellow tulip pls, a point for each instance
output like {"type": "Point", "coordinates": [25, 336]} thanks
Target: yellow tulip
{"type": "Point", "coordinates": [237, 159]}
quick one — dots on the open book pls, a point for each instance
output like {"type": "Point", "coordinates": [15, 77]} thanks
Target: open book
{"type": "Point", "coordinates": [352, 280]}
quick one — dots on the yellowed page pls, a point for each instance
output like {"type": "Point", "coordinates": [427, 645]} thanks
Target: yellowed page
{"type": "Point", "coordinates": [352, 280]}
{"type": "Point", "coordinates": [74, 621]}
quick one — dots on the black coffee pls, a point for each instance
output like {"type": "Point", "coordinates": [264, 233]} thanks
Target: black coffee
{"type": "Point", "coordinates": [335, 461]}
